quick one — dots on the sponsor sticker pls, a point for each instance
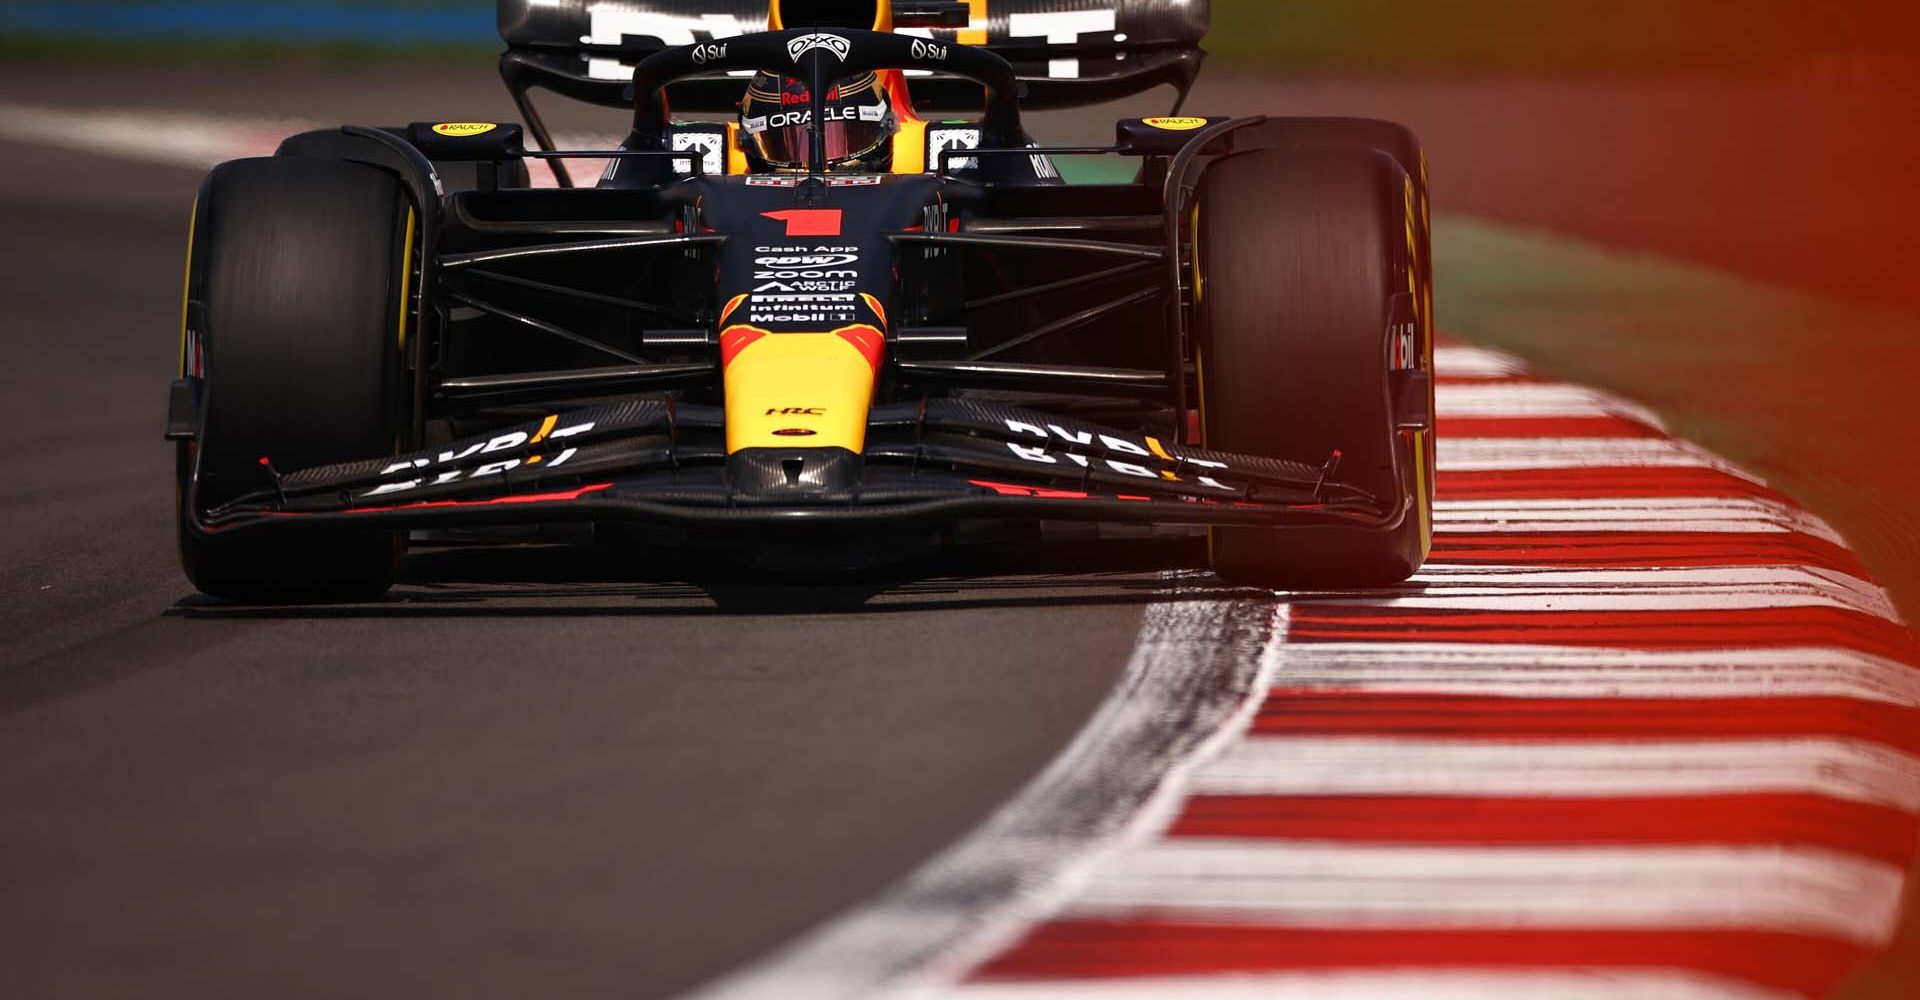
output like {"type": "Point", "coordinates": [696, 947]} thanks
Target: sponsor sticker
{"type": "Point", "coordinates": [788, 287]}
{"type": "Point", "coordinates": [807, 222]}
{"type": "Point", "coordinates": [835, 44]}
{"type": "Point", "coordinates": [939, 140]}
{"type": "Point", "coordinates": [806, 248]}
{"type": "Point", "coordinates": [835, 113]}
{"type": "Point", "coordinates": [801, 308]}
{"type": "Point", "coordinates": [710, 146]}
{"type": "Point", "coordinates": [807, 260]}
{"type": "Point", "coordinates": [462, 130]}
{"type": "Point", "coordinates": [857, 180]}
{"type": "Point", "coordinates": [509, 441]}
{"type": "Point", "coordinates": [1176, 124]}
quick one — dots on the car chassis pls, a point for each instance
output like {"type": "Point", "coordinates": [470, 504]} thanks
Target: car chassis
{"type": "Point", "coordinates": [974, 419]}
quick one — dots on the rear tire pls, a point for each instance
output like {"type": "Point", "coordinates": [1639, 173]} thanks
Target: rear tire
{"type": "Point", "coordinates": [1299, 254]}
{"type": "Point", "coordinates": [298, 278]}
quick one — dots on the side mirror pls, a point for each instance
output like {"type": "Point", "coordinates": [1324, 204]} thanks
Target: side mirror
{"type": "Point", "coordinates": [1161, 136]}
{"type": "Point", "coordinates": [931, 14]}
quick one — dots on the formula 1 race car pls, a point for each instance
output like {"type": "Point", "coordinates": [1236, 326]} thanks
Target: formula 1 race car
{"type": "Point", "coordinates": [825, 319]}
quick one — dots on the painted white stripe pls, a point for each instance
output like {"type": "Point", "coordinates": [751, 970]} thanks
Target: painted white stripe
{"type": "Point", "coordinates": [1678, 577]}
{"type": "Point", "coordinates": [1570, 672]}
{"type": "Point", "coordinates": [1696, 599]}
{"type": "Point", "coordinates": [1531, 588]}
{"type": "Point", "coordinates": [1418, 984]}
{"type": "Point", "coordinates": [1503, 454]}
{"type": "Point", "coordinates": [1326, 884]}
{"type": "Point", "coordinates": [1191, 688]}
{"type": "Point", "coordinates": [1854, 770]}
{"type": "Point", "coordinates": [1615, 524]}
{"type": "Point", "coordinates": [1474, 362]}
{"type": "Point", "coordinates": [1526, 399]}
{"type": "Point", "coordinates": [1649, 514]}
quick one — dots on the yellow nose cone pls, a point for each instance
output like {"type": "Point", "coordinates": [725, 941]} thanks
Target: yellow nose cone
{"type": "Point", "coordinates": [806, 390]}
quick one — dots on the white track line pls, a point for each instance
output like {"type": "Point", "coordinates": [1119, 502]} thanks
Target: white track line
{"type": "Point", "coordinates": [1530, 399]}
{"type": "Point", "coordinates": [1853, 770]}
{"type": "Point", "coordinates": [1474, 362]}
{"type": "Point", "coordinates": [1418, 984]}
{"type": "Point", "coordinates": [1645, 515]}
{"type": "Point", "coordinates": [1319, 884]}
{"type": "Point", "coordinates": [1511, 454]}
{"type": "Point", "coordinates": [1566, 672]}
{"type": "Point", "coordinates": [1191, 687]}
{"type": "Point", "coordinates": [1531, 588]}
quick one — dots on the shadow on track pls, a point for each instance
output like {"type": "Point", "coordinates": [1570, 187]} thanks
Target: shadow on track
{"type": "Point", "coordinates": [562, 581]}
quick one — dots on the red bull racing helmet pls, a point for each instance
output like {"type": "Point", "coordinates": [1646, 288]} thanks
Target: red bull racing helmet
{"type": "Point", "coordinates": [776, 124]}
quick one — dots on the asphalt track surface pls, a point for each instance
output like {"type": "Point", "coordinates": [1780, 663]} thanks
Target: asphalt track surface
{"type": "Point", "coordinates": [496, 784]}
{"type": "Point", "coordinates": [502, 782]}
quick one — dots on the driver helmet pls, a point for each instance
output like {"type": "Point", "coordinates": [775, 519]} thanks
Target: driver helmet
{"type": "Point", "coordinates": [776, 124]}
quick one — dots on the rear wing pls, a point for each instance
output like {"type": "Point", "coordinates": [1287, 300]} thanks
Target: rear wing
{"type": "Point", "coordinates": [1068, 53]}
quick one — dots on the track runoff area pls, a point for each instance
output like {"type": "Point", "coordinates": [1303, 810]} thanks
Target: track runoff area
{"type": "Point", "coordinates": [1642, 728]}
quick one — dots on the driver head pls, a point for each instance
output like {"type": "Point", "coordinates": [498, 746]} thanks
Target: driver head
{"type": "Point", "coordinates": [776, 124]}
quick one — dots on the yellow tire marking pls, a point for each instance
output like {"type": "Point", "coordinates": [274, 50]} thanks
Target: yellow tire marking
{"type": "Point", "coordinates": [1199, 281]}
{"type": "Point", "coordinates": [186, 284]}
{"type": "Point", "coordinates": [1420, 501]}
{"type": "Point", "coordinates": [406, 278]}
{"type": "Point", "coordinates": [1200, 378]}
{"type": "Point", "coordinates": [1200, 366]}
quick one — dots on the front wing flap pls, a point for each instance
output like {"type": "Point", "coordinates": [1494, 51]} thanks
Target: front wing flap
{"type": "Point", "coordinates": [938, 460]}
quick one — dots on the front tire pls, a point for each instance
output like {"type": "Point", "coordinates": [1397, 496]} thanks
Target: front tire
{"type": "Point", "coordinates": [1300, 254]}
{"type": "Point", "coordinates": [298, 280]}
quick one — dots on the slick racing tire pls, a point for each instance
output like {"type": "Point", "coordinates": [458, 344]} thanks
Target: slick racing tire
{"type": "Point", "coordinates": [1389, 137]}
{"type": "Point", "coordinates": [299, 273]}
{"type": "Point", "coordinates": [1398, 141]}
{"type": "Point", "coordinates": [1301, 255]}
